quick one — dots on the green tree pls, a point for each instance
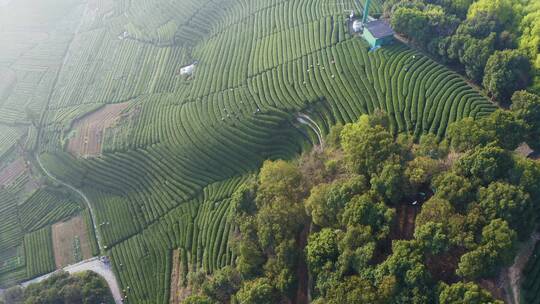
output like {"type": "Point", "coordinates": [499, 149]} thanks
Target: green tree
{"type": "Point", "coordinates": [279, 180]}
{"type": "Point", "coordinates": [197, 299]}
{"type": "Point", "coordinates": [333, 139]}
{"type": "Point", "coordinates": [281, 267]}
{"type": "Point", "coordinates": [467, 133]}
{"type": "Point", "coordinates": [322, 248]}
{"type": "Point", "coordinates": [367, 147]}
{"type": "Point", "coordinates": [280, 221]}
{"type": "Point", "coordinates": [503, 9]}
{"type": "Point", "coordinates": [454, 188]}
{"type": "Point", "coordinates": [422, 23]}
{"type": "Point", "coordinates": [429, 146]}
{"type": "Point", "coordinates": [485, 164]}
{"type": "Point", "coordinates": [475, 54]}
{"type": "Point", "coordinates": [421, 170]}
{"type": "Point", "coordinates": [250, 256]}
{"type": "Point", "coordinates": [496, 250]}
{"type": "Point", "coordinates": [508, 202]}
{"type": "Point", "coordinates": [369, 210]}
{"type": "Point", "coordinates": [354, 289]}
{"type": "Point", "coordinates": [433, 237]}
{"type": "Point", "coordinates": [508, 130]}
{"type": "Point", "coordinates": [357, 248]}
{"type": "Point", "coordinates": [327, 201]}
{"type": "Point", "coordinates": [222, 285]}
{"type": "Point", "coordinates": [390, 183]}
{"type": "Point", "coordinates": [462, 292]}
{"type": "Point", "coordinates": [527, 107]}
{"type": "Point", "coordinates": [406, 264]}
{"type": "Point", "coordinates": [259, 291]}
{"type": "Point", "coordinates": [435, 210]}
{"type": "Point", "coordinates": [526, 174]}
{"type": "Point", "coordinates": [506, 72]}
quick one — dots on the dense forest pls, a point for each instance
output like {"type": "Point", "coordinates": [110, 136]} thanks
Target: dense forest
{"type": "Point", "coordinates": [377, 218]}
{"type": "Point", "coordinates": [62, 288]}
{"type": "Point", "coordinates": [496, 43]}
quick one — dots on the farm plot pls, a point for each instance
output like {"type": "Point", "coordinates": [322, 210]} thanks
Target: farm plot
{"type": "Point", "coordinates": [71, 242]}
{"type": "Point", "coordinates": [89, 130]}
{"type": "Point", "coordinates": [39, 252]}
{"type": "Point", "coordinates": [34, 38]}
{"type": "Point", "coordinates": [45, 207]}
{"type": "Point", "coordinates": [11, 259]}
{"type": "Point", "coordinates": [165, 178]}
{"type": "Point", "coordinates": [13, 170]}
{"type": "Point", "coordinates": [8, 138]}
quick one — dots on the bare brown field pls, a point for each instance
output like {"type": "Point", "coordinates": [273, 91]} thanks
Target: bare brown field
{"type": "Point", "coordinates": [12, 171]}
{"type": "Point", "coordinates": [178, 291]}
{"type": "Point", "coordinates": [64, 236]}
{"type": "Point", "coordinates": [89, 130]}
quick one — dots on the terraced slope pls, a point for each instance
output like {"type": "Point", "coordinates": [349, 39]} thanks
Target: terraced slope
{"type": "Point", "coordinates": [184, 143]}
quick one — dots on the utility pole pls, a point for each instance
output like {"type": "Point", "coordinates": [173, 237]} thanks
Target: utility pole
{"type": "Point", "coordinates": [366, 12]}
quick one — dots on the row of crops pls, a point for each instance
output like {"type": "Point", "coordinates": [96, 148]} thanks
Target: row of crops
{"type": "Point", "coordinates": [33, 48]}
{"type": "Point", "coordinates": [167, 171]}
{"type": "Point", "coordinates": [104, 69]}
{"type": "Point", "coordinates": [39, 252]}
{"type": "Point", "coordinates": [26, 216]}
{"type": "Point", "coordinates": [161, 179]}
{"type": "Point", "coordinates": [46, 207]}
{"type": "Point", "coordinates": [200, 228]}
{"type": "Point", "coordinates": [8, 138]}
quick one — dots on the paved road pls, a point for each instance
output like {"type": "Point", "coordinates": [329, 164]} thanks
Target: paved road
{"type": "Point", "coordinates": [80, 193]}
{"type": "Point", "coordinates": [95, 265]}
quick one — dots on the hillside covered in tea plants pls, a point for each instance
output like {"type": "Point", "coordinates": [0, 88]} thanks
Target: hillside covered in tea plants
{"type": "Point", "coordinates": [130, 128]}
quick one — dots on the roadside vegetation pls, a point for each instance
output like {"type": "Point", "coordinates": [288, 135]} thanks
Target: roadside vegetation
{"type": "Point", "coordinates": [62, 288]}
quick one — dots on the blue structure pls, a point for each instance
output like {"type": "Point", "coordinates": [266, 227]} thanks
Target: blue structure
{"type": "Point", "coordinates": [378, 33]}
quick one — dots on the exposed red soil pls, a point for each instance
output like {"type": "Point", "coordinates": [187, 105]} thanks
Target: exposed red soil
{"type": "Point", "coordinates": [88, 140]}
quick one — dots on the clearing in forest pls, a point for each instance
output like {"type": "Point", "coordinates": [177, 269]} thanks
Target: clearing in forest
{"type": "Point", "coordinates": [404, 226]}
{"type": "Point", "coordinates": [87, 139]}
{"type": "Point", "coordinates": [70, 242]}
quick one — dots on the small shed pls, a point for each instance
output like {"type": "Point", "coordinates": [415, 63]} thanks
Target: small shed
{"type": "Point", "coordinates": [188, 70]}
{"type": "Point", "coordinates": [378, 33]}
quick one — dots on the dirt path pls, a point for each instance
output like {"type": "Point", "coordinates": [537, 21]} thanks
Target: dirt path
{"type": "Point", "coordinates": [80, 193]}
{"type": "Point", "coordinates": [512, 275]}
{"type": "Point", "coordinates": [306, 120]}
{"type": "Point", "coordinates": [96, 265]}
{"type": "Point", "coordinates": [175, 278]}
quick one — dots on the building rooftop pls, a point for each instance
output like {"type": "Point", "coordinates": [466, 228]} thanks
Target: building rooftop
{"type": "Point", "coordinates": [379, 29]}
